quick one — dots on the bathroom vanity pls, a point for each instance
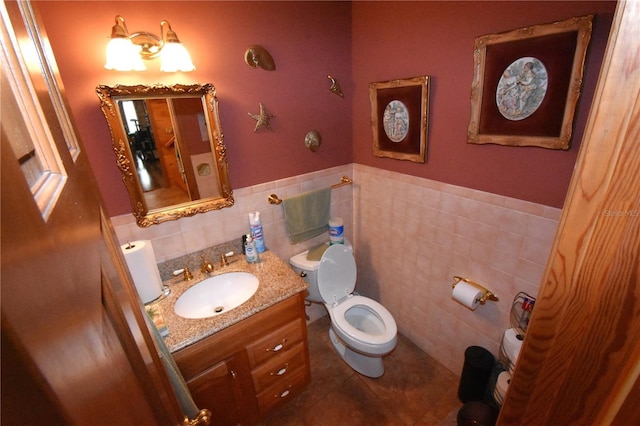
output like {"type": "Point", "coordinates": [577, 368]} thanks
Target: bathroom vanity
{"type": "Point", "coordinates": [243, 363]}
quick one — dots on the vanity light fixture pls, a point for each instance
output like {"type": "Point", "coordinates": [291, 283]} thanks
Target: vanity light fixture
{"type": "Point", "coordinates": [125, 51]}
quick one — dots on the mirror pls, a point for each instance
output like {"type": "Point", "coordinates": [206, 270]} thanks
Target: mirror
{"type": "Point", "coordinates": [169, 148]}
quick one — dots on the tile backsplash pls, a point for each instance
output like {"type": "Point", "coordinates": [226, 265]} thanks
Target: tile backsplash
{"type": "Point", "coordinates": [410, 235]}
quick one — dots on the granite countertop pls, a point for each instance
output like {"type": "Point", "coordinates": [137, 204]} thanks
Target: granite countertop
{"type": "Point", "coordinates": [277, 283]}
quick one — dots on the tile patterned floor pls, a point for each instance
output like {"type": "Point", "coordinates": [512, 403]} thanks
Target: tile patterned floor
{"type": "Point", "coordinates": [415, 389]}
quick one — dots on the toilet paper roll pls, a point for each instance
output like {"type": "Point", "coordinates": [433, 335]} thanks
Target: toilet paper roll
{"type": "Point", "coordinates": [144, 271]}
{"type": "Point", "coordinates": [502, 384]}
{"type": "Point", "coordinates": [467, 295]}
{"type": "Point", "coordinates": [511, 344]}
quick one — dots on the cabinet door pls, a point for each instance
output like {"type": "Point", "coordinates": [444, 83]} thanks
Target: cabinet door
{"type": "Point", "coordinates": [215, 389]}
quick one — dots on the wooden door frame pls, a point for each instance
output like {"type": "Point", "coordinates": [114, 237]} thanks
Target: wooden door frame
{"type": "Point", "coordinates": [36, 398]}
{"type": "Point", "coordinates": [580, 361]}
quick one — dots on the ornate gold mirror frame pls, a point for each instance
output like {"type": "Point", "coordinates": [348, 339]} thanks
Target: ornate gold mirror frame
{"type": "Point", "coordinates": [205, 179]}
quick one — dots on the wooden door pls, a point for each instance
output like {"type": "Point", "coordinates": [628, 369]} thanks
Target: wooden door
{"type": "Point", "coordinates": [580, 361]}
{"type": "Point", "coordinates": [75, 347]}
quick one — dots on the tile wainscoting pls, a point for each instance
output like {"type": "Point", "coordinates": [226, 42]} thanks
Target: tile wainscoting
{"type": "Point", "coordinates": [413, 235]}
{"type": "Point", "coordinates": [174, 239]}
{"type": "Point", "coordinates": [187, 235]}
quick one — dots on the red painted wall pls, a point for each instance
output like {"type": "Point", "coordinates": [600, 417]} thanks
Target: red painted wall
{"type": "Point", "coordinates": [394, 40]}
{"type": "Point", "coordinates": [357, 43]}
{"type": "Point", "coordinates": [308, 41]}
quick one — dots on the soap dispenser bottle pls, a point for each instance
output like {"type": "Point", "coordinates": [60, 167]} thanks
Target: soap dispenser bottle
{"type": "Point", "coordinates": [255, 227]}
{"type": "Point", "coordinates": [250, 251]}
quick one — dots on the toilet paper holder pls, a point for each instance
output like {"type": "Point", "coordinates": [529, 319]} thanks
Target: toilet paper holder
{"type": "Point", "coordinates": [486, 294]}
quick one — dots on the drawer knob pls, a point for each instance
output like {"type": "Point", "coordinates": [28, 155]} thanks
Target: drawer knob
{"type": "Point", "coordinates": [234, 374]}
{"type": "Point", "coordinates": [277, 347]}
{"type": "Point", "coordinates": [284, 394]}
{"type": "Point", "coordinates": [281, 371]}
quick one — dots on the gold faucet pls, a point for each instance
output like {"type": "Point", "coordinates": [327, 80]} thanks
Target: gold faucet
{"type": "Point", "coordinates": [187, 275]}
{"type": "Point", "coordinates": [224, 259]}
{"type": "Point", "coordinates": [206, 267]}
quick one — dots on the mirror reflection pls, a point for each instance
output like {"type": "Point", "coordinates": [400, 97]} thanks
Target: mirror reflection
{"type": "Point", "coordinates": [169, 148]}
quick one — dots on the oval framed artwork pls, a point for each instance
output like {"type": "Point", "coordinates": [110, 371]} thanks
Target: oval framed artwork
{"type": "Point", "coordinates": [399, 118]}
{"type": "Point", "coordinates": [527, 83]}
{"type": "Point", "coordinates": [395, 121]}
{"type": "Point", "coordinates": [521, 88]}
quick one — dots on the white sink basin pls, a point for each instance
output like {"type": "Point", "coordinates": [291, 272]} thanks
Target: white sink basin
{"type": "Point", "coordinates": [216, 295]}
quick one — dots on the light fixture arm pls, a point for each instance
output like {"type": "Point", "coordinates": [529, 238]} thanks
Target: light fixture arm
{"type": "Point", "coordinates": [170, 36]}
{"type": "Point", "coordinates": [150, 44]}
{"type": "Point", "coordinates": [119, 30]}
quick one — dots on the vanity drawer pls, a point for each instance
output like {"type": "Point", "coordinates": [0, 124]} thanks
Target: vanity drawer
{"type": "Point", "coordinates": [275, 342]}
{"type": "Point", "coordinates": [282, 391]}
{"type": "Point", "coordinates": [279, 368]}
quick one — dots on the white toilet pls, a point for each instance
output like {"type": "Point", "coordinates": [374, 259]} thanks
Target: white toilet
{"type": "Point", "coordinates": [362, 330]}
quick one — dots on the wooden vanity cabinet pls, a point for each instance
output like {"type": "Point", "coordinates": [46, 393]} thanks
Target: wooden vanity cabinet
{"type": "Point", "coordinates": [246, 370]}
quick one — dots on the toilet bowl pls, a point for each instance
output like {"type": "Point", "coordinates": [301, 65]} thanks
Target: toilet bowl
{"type": "Point", "coordinates": [362, 330]}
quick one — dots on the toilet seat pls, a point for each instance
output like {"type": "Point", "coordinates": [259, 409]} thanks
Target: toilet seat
{"type": "Point", "coordinates": [380, 342]}
{"type": "Point", "coordinates": [336, 281]}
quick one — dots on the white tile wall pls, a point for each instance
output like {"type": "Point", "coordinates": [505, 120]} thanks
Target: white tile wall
{"type": "Point", "coordinates": [188, 235]}
{"type": "Point", "coordinates": [192, 234]}
{"type": "Point", "coordinates": [411, 236]}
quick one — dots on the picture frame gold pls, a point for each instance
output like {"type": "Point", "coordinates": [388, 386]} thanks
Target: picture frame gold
{"type": "Point", "coordinates": [527, 83]}
{"type": "Point", "coordinates": [399, 118]}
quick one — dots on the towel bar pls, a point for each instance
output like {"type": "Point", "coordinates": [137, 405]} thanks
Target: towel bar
{"type": "Point", "coordinates": [273, 198]}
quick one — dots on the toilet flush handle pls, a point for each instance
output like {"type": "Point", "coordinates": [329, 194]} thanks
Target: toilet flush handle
{"type": "Point", "coordinates": [303, 274]}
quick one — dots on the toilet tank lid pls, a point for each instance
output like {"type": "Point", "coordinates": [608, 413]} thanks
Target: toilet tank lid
{"type": "Point", "coordinates": [300, 260]}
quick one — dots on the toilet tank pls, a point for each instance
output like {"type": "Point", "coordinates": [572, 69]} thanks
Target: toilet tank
{"type": "Point", "coordinates": [308, 269]}
{"type": "Point", "coordinates": [301, 264]}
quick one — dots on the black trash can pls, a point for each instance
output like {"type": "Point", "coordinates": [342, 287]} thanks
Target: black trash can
{"type": "Point", "coordinates": [477, 413]}
{"type": "Point", "coordinates": [478, 364]}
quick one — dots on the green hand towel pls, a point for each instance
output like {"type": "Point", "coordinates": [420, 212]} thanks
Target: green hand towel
{"type": "Point", "coordinates": [307, 215]}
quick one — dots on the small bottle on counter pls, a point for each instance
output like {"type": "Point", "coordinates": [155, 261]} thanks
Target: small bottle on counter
{"type": "Point", "coordinates": [250, 251]}
{"type": "Point", "coordinates": [255, 227]}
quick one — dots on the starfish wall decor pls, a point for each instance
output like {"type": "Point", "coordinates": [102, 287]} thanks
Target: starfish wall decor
{"type": "Point", "coordinates": [262, 119]}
